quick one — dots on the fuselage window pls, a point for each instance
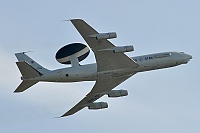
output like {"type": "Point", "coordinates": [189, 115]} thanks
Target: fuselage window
{"type": "Point", "coordinates": [141, 59]}
{"type": "Point", "coordinates": [67, 75]}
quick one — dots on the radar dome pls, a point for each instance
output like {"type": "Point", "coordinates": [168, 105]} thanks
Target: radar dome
{"type": "Point", "coordinates": [68, 52]}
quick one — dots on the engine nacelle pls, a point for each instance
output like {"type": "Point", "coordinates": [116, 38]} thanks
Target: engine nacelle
{"type": "Point", "coordinates": [123, 49]}
{"type": "Point", "coordinates": [117, 93]}
{"type": "Point", "coordinates": [98, 105]}
{"type": "Point", "coordinates": [102, 36]}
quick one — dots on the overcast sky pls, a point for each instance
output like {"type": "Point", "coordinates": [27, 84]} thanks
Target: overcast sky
{"type": "Point", "coordinates": [161, 101]}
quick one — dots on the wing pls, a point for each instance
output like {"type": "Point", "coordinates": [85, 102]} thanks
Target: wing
{"type": "Point", "coordinates": [101, 85]}
{"type": "Point", "coordinates": [106, 60]}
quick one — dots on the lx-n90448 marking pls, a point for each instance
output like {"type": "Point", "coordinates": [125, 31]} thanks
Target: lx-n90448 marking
{"type": "Point", "coordinates": [112, 66]}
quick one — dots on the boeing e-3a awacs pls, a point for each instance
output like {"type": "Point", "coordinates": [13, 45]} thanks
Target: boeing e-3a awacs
{"type": "Point", "coordinates": [112, 66]}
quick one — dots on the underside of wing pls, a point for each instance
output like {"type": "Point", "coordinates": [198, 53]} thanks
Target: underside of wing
{"type": "Point", "coordinates": [101, 87]}
{"type": "Point", "coordinates": [112, 68]}
{"type": "Point", "coordinates": [106, 60]}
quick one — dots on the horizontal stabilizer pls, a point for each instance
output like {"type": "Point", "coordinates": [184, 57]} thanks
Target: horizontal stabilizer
{"type": "Point", "coordinates": [25, 85]}
{"type": "Point", "coordinates": [27, 71]}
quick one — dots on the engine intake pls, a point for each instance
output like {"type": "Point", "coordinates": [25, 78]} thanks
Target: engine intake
{"type": "Point", "coordinates": [98, 105]}
{"type": "Point", "coordinates": [118, 93]}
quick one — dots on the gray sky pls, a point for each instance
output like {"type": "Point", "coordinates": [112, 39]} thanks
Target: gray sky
{"type": "Point", "coordinates": [159, 101]}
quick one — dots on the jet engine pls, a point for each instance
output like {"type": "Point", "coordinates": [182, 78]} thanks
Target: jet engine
{"type": "Point", "coordinates": [102, 36]}
{"type": "Point", "coordinates": [121, 49]}
{"type": "Point", "coordinates": [98, 105]}
{"type": "Point", "coordinates": [117, 93]}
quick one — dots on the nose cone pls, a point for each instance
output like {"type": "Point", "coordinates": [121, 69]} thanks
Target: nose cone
{"type": "Point", "coordinates": [188, 56]}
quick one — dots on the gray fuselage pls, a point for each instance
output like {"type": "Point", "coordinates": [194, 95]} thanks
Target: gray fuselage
{"type": "Point", "coordinates": [89, 72]}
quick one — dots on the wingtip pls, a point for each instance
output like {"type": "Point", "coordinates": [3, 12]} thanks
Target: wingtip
{"type": "Point", "coordinates": [56, 117]}
{"type": "Point", "coordinates": [65, 20]}
{"type": "Point", "coordinates": [71, 19]}
{"type": "Point", "coordinates": [15, 91]}
{"type": "Point", "coordinates": [64, 115]}
{"type": "Point", "coordinates": [61, 116]}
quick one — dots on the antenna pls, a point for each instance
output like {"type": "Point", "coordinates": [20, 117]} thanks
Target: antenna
{"type": "Point", "coordinates": [27, 52]}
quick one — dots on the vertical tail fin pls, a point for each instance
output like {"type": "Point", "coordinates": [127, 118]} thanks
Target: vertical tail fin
{"type": "Point", "coordinates": [29, 69]}
{"type": "Point", "coordinates": [22, 57]}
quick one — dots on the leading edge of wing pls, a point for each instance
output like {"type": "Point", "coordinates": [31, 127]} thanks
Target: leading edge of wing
{"type": "Point", "coordinates": [106, 60]}
{"type": "Point", "coordinates": [101, 86]}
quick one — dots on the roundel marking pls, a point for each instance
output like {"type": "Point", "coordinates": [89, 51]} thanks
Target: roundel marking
{"type": "Point", "coordinates": [78, 50]}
